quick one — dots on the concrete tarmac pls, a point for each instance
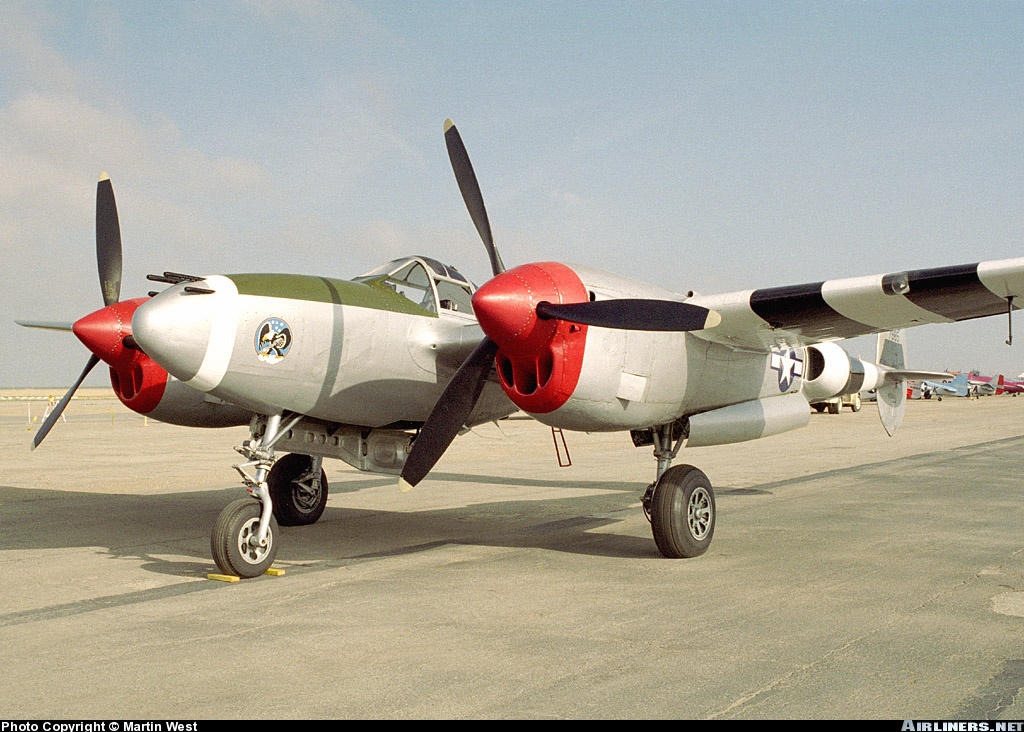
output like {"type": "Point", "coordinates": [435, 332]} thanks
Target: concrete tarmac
{"type": "Point", "coordinates": [852, 576]}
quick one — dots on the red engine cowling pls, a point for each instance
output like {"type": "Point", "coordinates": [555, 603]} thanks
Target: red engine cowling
{"type": "Point", "coordinates": [539, 361]}
{"type": "Point", "coordinates": [138, 380]}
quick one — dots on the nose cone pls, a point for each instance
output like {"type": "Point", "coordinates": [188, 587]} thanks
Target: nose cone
{"type": "Point", "coordinates": [175, 327]}
{"type": "Point", "coordinates": [506, 306]}
{"type": "Point", "coordinates": [105, 331]}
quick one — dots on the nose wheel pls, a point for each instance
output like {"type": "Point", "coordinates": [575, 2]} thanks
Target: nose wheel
{"type": "Point", "coordinates": [235, 543]}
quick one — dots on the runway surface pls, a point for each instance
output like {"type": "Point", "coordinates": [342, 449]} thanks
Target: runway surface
{"type": "Point", "coordinates": [852, 575]}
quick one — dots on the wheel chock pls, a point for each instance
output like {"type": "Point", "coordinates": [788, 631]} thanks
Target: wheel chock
{"type": "Point", "coordinates": [223, 577]}
{"type": "Point", "coordinates": [273, 572]}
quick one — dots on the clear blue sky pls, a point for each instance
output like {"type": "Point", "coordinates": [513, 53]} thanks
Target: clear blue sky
{"type": "Point", "coordinates": [711, 146]}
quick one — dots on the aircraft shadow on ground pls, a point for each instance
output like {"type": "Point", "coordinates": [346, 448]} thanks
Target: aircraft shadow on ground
{"type": "Point", "coordinates": [160, 529]}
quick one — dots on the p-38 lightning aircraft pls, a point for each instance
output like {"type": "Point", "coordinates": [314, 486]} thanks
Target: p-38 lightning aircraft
{"type": "Point", "coordinates": [385, 370]}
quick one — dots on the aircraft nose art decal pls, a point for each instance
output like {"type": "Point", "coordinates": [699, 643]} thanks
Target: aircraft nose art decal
{"type": "Point", "coordinates": [273, 340]}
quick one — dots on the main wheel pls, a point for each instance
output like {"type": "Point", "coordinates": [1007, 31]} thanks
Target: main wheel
{"type": "Point", "coordinates": [683, 512]}
{"type": "Point", "coordinates": [297, 499]}
{"type": "Point", "coordinates": [233, 541]}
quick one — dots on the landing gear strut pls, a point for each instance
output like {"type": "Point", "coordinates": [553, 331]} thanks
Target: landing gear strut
{"type": "Point", "coordinates": [680, 504]}
{"type": "Point", "coordinates": [243, 538]}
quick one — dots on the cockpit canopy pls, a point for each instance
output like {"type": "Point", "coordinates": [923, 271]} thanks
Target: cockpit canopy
{"type": "Point", "coordinates": [426, 282]}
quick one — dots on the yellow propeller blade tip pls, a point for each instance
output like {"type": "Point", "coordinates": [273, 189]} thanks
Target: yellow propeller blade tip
{"type": "Point", "coordinates": [448, 124]}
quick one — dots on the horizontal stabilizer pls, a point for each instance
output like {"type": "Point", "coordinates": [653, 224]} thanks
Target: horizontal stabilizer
{"type": "Point", "coordinates": [909, 375]}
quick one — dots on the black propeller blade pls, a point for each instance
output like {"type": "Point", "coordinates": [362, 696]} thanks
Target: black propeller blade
{"type": "Point", "coordinates": [460, 396]}
{"type": "Point", "coordinates": [108, 241]}
{"type": "Point", "coordinates": [471, 194]}
{"type": "Point", "coordinates": [108, 260]}
{"type": "Point", "coordinates": [633, 314]}
{"type": "Point", "coordinates": [47, 425]}
{"type": "Point", "coordinates": [449, 414]}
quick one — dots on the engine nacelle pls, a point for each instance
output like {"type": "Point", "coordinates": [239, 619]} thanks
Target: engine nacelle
{"type": "Point", "coordinates": [574, 376]}
{"type": "Point", "coordinates": [829, 371]}
{"type": "Point", "coordinates": [144, 387]}
{"type": "Point", "coordinates": [182, 405]}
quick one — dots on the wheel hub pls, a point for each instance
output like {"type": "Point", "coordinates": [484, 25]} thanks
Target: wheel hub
{"type": "Point", "coordinates": [304, 495]}
{"type": "Point", "coordinates": [698, 513]}
{"type": "Point", "coordinates": [248, 544]}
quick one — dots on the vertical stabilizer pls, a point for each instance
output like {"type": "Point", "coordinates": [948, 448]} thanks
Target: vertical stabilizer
{"type": "Point", "coordinates": [892, 395]}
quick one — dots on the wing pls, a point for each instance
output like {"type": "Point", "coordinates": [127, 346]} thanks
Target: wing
{"type": "Point", "coordinates": [823, 311]}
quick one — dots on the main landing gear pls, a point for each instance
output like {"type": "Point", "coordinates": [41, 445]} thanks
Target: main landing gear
{"type": "Point", "coordinates": [680, 504]}
{"type": "Point", "coordinates": [290, 491]}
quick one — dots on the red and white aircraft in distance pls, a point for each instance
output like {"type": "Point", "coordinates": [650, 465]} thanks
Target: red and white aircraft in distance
{"type": "Point", "coordinates": [385, 370]}
{"type": "Point", "coordinates": [989, 385]}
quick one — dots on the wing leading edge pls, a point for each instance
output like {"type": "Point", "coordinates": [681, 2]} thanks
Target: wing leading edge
{"type": "Point", "coordinates": [835, 309]}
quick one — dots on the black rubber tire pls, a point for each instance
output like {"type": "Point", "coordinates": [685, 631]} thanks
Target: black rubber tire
{"type": "Point", "coordinates": [295, 505]}
{"type": "Point", "coordinates": [683, 512]}
{"type": "Point", "coordinates": [228, 540]}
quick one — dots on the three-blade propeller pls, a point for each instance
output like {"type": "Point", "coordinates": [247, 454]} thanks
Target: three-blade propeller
{"type": "Point", "coordinates": [460, 396]}
{"type": "Point", "coordinates": [108, 258]}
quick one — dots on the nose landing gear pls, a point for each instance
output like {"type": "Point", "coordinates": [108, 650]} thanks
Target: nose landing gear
{"type": "Point", "coordinates": [243, 538]}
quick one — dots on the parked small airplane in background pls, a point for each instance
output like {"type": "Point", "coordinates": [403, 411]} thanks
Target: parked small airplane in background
{"type": "Point", "coordinates": [987, 385]}
{"type": "Point", "coordinates": [1013, 387]}
{"type": "Point", "coordinates": [957, 386]}
{"type": "Point", "coordinates": [384, 371]}
{"type": "Point", "coordinates": [969, 384]}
